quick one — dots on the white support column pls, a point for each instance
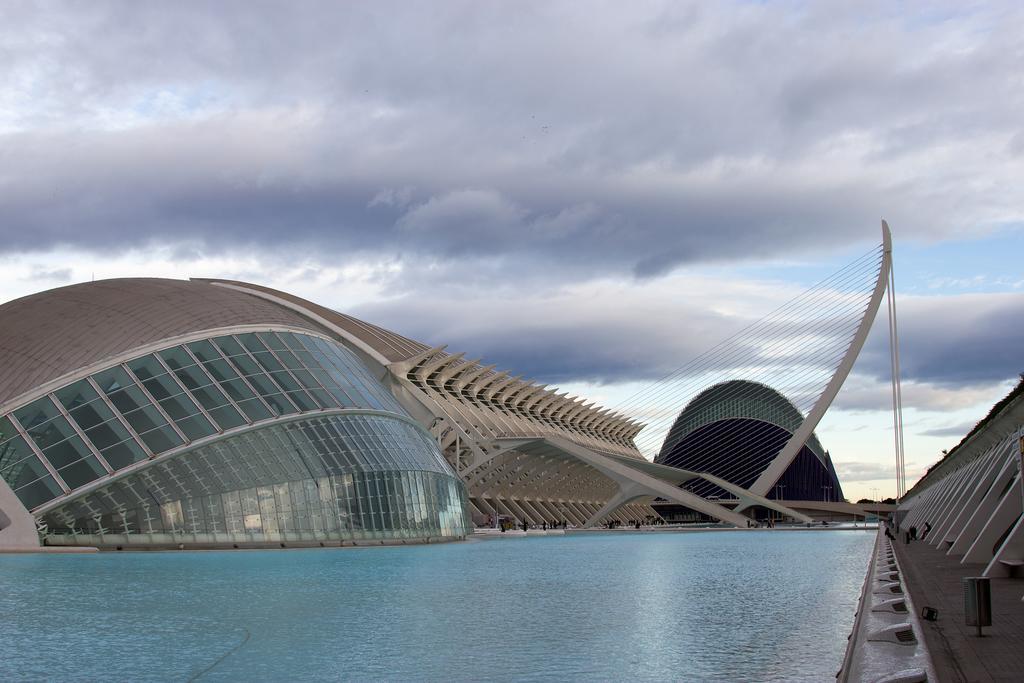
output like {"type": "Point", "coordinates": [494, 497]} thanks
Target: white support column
{"type": "Point", "coordinates": [570, 513]}
{"type": "Point", "coordinates": [940, 498]}
{"type": "Point", "coordinates": [488, 508]}
{"type": "Point", "coordinates": [963, 490]}
{"type": "Point", "coordinates": [936, 495]}
{"type": "Point", "coordinates": [549, 507]}
{"type": "Point", "coordinates": [521, 514]}
{"type": "Point", "coordinates": [986, 471]}
{"type": "Point", "coordinates": [504, 509]}
{"type": "Point", "coordinates": [972, 502]}
{"type": "Point", "coordinates": [1010, 555]}
{"type": "Point", "coordinates": [946, 507]}
{"type": "Point", "coordinates": [1005, 514]}
{"type": "Point", "coordinates": [984, 510]}
{"type": "Point", "coordinates": [539, 514]}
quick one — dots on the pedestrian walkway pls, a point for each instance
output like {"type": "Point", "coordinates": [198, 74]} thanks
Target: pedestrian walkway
{"type": "Point", "coordinates": [934, 580]}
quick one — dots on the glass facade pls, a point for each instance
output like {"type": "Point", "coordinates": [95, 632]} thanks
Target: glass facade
{"type": "Point", "coordinates": [152, 404]}
{"type": "Point", "coordinates": [321, 478]}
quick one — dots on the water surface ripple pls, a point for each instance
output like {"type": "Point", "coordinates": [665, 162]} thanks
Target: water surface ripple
{"type": "Point", "coordinates": [751, 606]}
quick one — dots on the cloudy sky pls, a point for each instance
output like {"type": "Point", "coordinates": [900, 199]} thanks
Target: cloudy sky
{"type": "Point", "coordinates": [588, 194]}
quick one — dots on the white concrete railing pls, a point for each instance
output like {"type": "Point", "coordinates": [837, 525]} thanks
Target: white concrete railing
{"type": "Point", "coordinates": [887, 643]}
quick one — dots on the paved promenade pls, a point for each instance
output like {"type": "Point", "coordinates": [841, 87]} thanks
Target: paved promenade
{"type": "Point", "coordinates": [934, 579]}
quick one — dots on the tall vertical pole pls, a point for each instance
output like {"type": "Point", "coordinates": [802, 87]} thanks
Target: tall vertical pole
{"type": "Point", "coordinates": [897, 391]}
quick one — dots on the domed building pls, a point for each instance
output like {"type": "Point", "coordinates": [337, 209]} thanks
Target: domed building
{"type": "Point", "coordinates": [165, 413]}
{"type": "Point", "coordinates": [149, 413]}
{"type": "Point", "coordinates": [733, 430]}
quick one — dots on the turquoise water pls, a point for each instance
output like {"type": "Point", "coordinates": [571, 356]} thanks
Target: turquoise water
{"type": "Point", "coordinates": [726, 606]}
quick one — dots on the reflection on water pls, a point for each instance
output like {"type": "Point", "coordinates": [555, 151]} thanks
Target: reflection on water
{"type": "Point", "coordinates": [719, 605]}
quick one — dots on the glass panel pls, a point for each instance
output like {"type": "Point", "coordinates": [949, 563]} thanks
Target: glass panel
{"type": "Point", "coordinates": [36, 419]}
{"type": "Point", "coordinates": [81, 472]}
{"type": "Point", "coordinates": [254, 409]}
{"type": "Point", "coordinates": [271, 340]}
{"type": "Point", "coordinates": [162, 439]}
{"type": "Point", "coordinates": [162, 387]}
{"type": "Point", "coordinates": [209, 397]}
{"type": "Point", "coordinates": [193, 378]}
{"type": "Point", "coordinates": [336, 391]}
{"type": "Point", "coordinates": [285, 381]}
{"type": "Point", "coordinates": [49, 433]}
{"type": "Point", "coordinates": [66, 452]}
{"type": "Point", "coordinates": [7, 429]}
{"type": "Point", "coordinates": [146, 367]}
{"type": "Point", "coordinates": [227, 417]}
{"type": "Point", "coordinates": [195, 427]}
{"type": "Point", "coordinates": [303, 400]}
{"type": "Point", "coordinates": [246, 365]}
{"type": "Point", "coordinates": [228, 346]}
{"type": "Point", "coordinates": [323, 398]}
{"type": "Point", "coordinates": [18, 464]}
{"type": "Point", "coordinates": [271, 393]}
{"type": "Point", "coordinates": [145, 419]}
{"type": "Point", "coordinates": [288, 359]}
{"type": "Point", "coordinates": [179, 407]}
{"type": "Point", "coordinates": [39, 492]}
{"type": "Point", "coordinates": [92, 414]}
{"type": "Point", "coordinates": [250, 342]}
{"type": "Point", "coordinates": [128, 399]}
{"type": "Point", "coordinates": [107, 434]}
{"type": "Point", "coordinates": [77, 394]}
{"type": "Point", "coordinates": [113, 379]}
{"type": "Point", "coordinates": [237, 389]}
{"type": "Point", "coordinates": [177, 358]}
{"type": "Point", "coordinates": [123, 454]}
{"type": "Point", "coordinates": [267, 361]}
{"type": "Point", "coordinates": [36, 413]}
{"type": "Point", "coordinates": [291, 341]}
{"type": "Point", "coordinates": [204, 351]}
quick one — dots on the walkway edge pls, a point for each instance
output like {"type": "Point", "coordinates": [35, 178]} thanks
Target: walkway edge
{"type": "Point", "coordinates": [880, 648]}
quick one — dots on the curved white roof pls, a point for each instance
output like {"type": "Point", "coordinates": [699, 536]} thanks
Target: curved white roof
{"type": "Point", "coordinates": [47, 335]}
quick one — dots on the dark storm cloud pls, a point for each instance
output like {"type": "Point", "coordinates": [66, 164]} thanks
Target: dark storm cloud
{"type": "Point", "coordinates": [958, 430]}
{"type": "Point", "coordinates": [947, 343]}
{"type": "Point", "coordinates": [952, 341]}
{"type": "Point", "coordinates": [643, 137]}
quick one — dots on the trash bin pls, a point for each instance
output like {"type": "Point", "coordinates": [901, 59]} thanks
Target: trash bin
{"type": "Point", "coordinates": [977, 602]}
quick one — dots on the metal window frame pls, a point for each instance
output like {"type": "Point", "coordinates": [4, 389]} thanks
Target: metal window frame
{"type": "Point", "coordinates": [216, 383]}
{"type": "Point", "coordinates": [238, 371]}
{"type": "Point", "coordinates": [34, 447]}
{"type": "Point", "coordinates": [188, 393]}
{"type": "Point", "coordinates": [81, 434]}
{"type": "Point", "coordinates": [319, 384]}
{"type": "Point", "coordinates": [120, 418]}
{"type": "Point", "coordinates": [156, 405]}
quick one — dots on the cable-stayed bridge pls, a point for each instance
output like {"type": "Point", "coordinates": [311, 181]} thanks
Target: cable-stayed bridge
{"type": "Point", "coordinates": [736, 422]}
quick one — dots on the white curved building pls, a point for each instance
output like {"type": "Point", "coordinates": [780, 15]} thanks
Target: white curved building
{"type": "Point", "coordinates": [162, 413]}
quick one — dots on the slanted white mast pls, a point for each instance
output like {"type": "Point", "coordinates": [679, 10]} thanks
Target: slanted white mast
{"type": "Point", "coordinates": [778, 466]}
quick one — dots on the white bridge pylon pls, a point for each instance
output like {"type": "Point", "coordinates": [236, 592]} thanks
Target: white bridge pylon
{"type": "Point", "coordinates": [804, 351]}
{"type": "Point", "coordinates": [785, 458]}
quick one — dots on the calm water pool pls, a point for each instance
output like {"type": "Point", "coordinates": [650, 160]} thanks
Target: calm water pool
{"type": "Point", "coordinates": [724, 606]}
